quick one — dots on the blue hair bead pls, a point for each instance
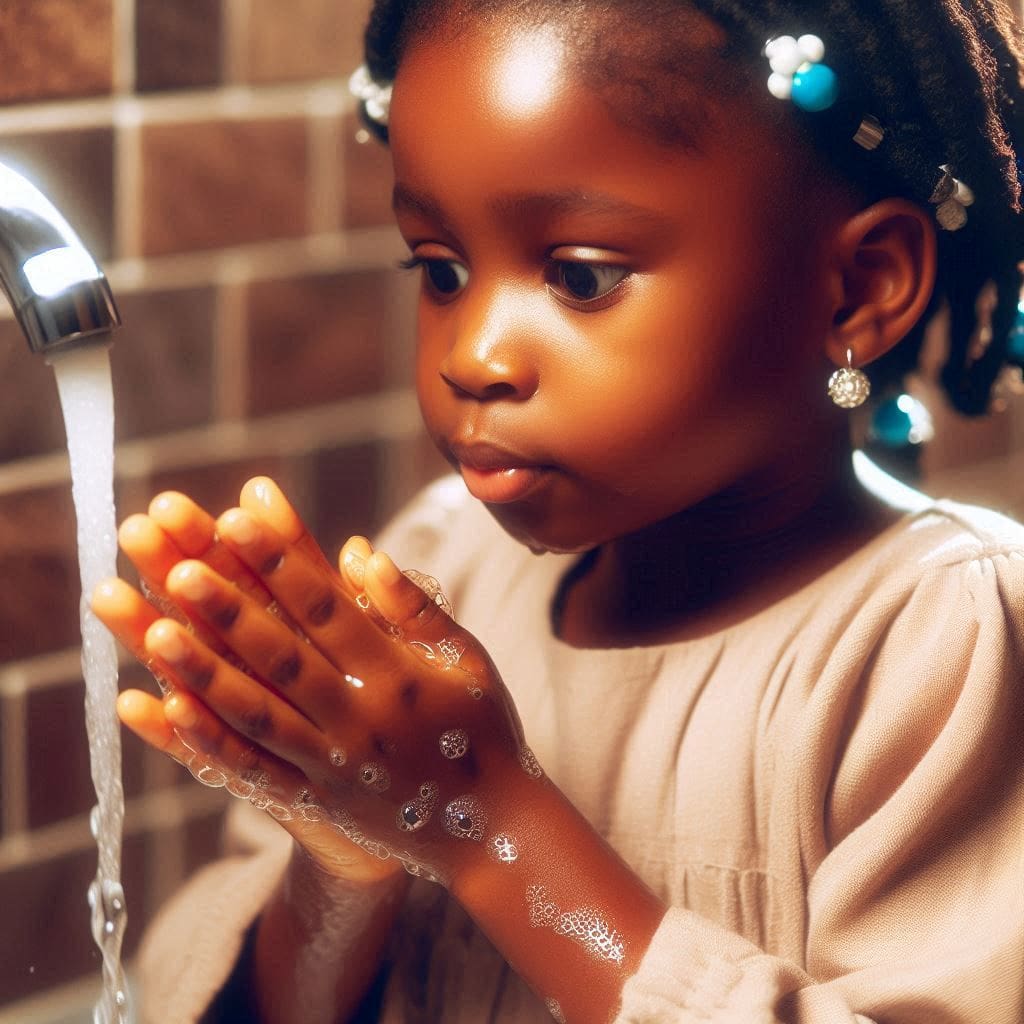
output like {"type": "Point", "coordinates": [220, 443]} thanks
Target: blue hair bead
{"type": "Point", "coordinates": [815, 88]}
{"type": "Point", "coordinates": [1015, 346]}
{"type": "Point", "coordinates": [901, 421]}
{"type": "Point", "coordinates": [1015, 343]}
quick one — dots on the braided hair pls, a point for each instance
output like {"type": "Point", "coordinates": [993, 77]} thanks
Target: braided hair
{"type": "Point", "coordinates": [944, 80]}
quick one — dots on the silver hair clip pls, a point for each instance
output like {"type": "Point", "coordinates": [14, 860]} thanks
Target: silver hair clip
{"type": "Point", "coordinates": [376, 98]}
{"type": "Point", "coordinates": [869, 134]}
{"type": "Point", "coordinates": [951, 198]}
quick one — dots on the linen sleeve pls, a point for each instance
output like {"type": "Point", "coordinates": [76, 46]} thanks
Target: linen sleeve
{"type": "Point", "coordinates": [192, 945]}
{"type": "Point", "coordinates": [910, 807]}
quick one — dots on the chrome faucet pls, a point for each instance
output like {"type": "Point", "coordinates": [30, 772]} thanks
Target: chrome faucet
{"type": "Point", "coordinates": [58, 293]}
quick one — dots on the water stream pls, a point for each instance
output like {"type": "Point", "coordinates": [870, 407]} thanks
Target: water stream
{"type": "Point", "coordinates": [83, 380]}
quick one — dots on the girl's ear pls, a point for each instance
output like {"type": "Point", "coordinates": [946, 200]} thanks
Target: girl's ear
{"type": "Point", "coordinates": [883, 279]}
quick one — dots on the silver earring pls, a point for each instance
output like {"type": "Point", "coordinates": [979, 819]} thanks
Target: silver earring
{"type": "Point", "coordinates": [849, 387]}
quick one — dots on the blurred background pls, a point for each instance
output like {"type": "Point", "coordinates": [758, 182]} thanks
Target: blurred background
{"type": "Point", "coordinates": [209, 155]}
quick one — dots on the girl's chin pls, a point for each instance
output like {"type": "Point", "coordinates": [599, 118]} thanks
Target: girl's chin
{"type": "Point", "coordinates": [542, 541]}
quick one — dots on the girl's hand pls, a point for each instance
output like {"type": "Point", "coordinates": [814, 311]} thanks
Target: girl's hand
{"type": "Point", "coordinates": [175, 529]}
{"type": "Point", "coordinates": [375, 716]}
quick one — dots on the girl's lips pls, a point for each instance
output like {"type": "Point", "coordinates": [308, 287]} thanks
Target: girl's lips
{"type": "Point", "coordinates": [503, 485]}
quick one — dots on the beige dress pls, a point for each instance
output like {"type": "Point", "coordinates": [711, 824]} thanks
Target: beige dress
{"type": "Point", "coordinates": [829, 795]}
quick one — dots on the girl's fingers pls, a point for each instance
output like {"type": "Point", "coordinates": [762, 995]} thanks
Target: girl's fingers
{"type": "Point", "coordinates": [418, 613]}
{"type": "Point", "coordinates": [297, 671]}
{"type": "Point", "coordinates": [262, 498]}
{"type": "Point", "coordinates": [219, 756]}
{"type": "Point", "coordinates": [154, 553]}
{"type": "Point", "coordinates": [151, 551]}
{"type": "Point", "coordinates": [126, 613]}
{"type": "Point", "coordinates": [191, 526]}
{"type": "Point", "coordinates": [241, 701]}
{"type": "Point", "coordinates": [310, 591]}
{"type": "Point", "coordinates": [352, 564]}
{"type": "Point", "coordinates": [144, 715]}
{"type": "Point", "coordinates": [194, 533]}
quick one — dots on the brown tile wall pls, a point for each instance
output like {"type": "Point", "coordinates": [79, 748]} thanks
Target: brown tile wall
{"type": "Point", "coordinates": [214, 169]}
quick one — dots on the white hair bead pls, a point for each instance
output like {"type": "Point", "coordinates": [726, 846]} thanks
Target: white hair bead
{"type": "Point", "coordinates": [780, 86]}
{"type": "Point", "coordinates": [812, 48]}
{"type": "Point", "coordinates": [785, 57]}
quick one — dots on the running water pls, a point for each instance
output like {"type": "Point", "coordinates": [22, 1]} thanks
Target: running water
{"type": "Point", "coordinates": [83, 380]}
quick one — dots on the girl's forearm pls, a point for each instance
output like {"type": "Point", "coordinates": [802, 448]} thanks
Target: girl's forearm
{"type": "Point", "coordinates": [568, 913]}
{"type": "Point", "coordinates": [319, 944]}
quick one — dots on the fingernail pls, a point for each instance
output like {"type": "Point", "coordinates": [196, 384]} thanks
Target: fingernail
{"type": "Point", "coordinates": [240, 526]}
{"type": "Point", "coordinates": [180, 712]}
{"type": "Point", "coordinates": [165, 641]}
{"type": "Point", "coordinates": [265, 492]}
{"type": "Point", "coordinates": [161, 503]}
{"type": "Point", "coordinates": [387, 571]}
{"type": "Point", "coordinates": [355, 567]}
{"type": "Point", "coordinates": [192, 582]}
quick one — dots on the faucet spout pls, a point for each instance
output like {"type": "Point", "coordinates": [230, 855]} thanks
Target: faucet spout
{"type": "Point", "coordinates": [58, 293]}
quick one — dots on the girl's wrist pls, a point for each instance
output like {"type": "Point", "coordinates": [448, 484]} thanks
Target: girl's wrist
{"type": "Point", "coordinates": [562, 907]}
{"type": "Point", "coordinates": [343, 875]}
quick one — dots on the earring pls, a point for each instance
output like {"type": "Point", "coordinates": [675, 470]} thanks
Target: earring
{"type": "Point", "coordinates": [849, 387]}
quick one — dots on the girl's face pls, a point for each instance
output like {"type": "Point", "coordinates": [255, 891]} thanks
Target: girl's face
{"type": "Point", "coordinates": [611, 330]}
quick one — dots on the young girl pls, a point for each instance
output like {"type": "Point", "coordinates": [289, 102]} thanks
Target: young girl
{"type": "Point", "coordinates": [743, 746]}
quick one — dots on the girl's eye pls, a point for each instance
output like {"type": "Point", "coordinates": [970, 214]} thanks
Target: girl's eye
{"type": "Point", "coordinates": [445, 278]}
{"type": "Point", "coordinates": [585, 282]}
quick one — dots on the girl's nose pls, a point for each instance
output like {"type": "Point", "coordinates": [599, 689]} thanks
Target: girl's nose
{"type": "Point", "coordinates": [491, 356]}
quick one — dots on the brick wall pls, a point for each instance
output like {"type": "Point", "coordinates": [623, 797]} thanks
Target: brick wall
{"type": "Point", "coordinates": [207, 152]}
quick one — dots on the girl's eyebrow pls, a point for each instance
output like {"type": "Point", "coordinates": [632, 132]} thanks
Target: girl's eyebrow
{"type": "Point", "coordinates": [527, 205]}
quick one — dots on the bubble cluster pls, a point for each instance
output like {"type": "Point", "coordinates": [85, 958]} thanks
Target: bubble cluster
{"type": "Point", "coordinates": [585, 926]}
{"type": "Point", "coordinates": [374, 776]}
{"type": "Point", "coordinates": [431, 588]}
{"type": "Point", "coordinates": [343, 821]}
{"type": "Point", "coordinates": [503, 848]}
{"type": "Point", "coordinates": [555, 1009]}
{"type": "Point", "coordinates": [306, 806]}
{"type": "Point", "coordinates": [414, 814]}
{"type": "Point", "coordinates": [454, 743]}
{"type": "Point", "coordinates": [465, 818]}
{"type": "Point", "coordinates": [451, 650]}
{"type": "Point", "coordinates": [530, 764]}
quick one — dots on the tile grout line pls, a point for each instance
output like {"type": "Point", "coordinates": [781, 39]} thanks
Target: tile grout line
{"type": "Point", "coordinates": [127, 184]}
{"type": "Point", "coordinates": [167, 808]}
{"type": "Point", "coordinates": [124, 47]}
{"type": "Point", "coordinates": [326, 168]}
{"type": "Point", "coordinates": [234, 34]}
{"type": "Point", "coordinates": [15, 760]}
{"type": "Point", "coordinates": [364, 249]}
{"type": "Point", "coordinates": [382, 416]}
{"type": "Point", "coordinates": [238, 102]}
{"type": "Point", "coordinates": [43, 671]}
{"type": "Point", "coordinates": [231, 344]}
